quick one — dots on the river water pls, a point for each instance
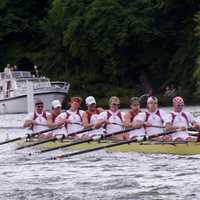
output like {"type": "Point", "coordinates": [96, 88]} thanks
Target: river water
{"type": "Point", "coordinates": [98, 175]}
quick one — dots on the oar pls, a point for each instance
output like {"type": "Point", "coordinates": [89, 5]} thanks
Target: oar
{"type": "Point", "coordinates": [114, 123]}
{"type": "Point", "coordinates": [29, 135]}
{"type": "Point", "coordinates": [84, 141]}
{"type": "Point", "coordinates": [53, 139]}
{"type": "Point", "coordinates": [108, 146]}
{"type": "Point", "coordinates": [193, 133]}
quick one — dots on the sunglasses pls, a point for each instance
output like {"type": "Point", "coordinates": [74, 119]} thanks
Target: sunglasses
{"type": "Point", "coordinates": [115, 104]}
{"type": "Point", "coordinates": [41, 106]}
{"type": "Point", "coordinates": [152, 103]}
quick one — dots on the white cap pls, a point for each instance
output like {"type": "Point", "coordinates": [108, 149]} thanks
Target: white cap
{"type": "Point", "coordinates": [90, 100]}
{"type": "Point", "coordinates": [152, 98]}
{"type": "Point", "coordinates": [56, 104]}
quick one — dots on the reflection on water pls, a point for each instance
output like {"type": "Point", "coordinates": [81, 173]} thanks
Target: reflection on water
{"type": "Point", "coordinates": [97, 175]}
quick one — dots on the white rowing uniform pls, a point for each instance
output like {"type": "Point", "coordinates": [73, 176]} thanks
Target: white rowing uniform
{"type": "Point", "coordinates": [181, 119]}
{"type": "Point", "coordinates": [158, 118]}
{"type": "Point", "coordinates": [59, 131]}
{"type": "Point", "coordinates": [137, 132]}
{"type": "Point", "coordinates": [75, 119]}
{"type": "Point", "coordinates": [40, 119]}
{"type": "Point", "coordinates": [115, 118]}
{"type": "Point", "coordinates": [92, 120]}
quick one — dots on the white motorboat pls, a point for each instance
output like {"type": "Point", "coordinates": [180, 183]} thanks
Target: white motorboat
{"type": "Point", "coordinates": [15, 89]}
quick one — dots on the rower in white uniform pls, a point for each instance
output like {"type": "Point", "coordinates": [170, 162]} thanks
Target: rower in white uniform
{"type": "Point", "coordinates": [90, 117]}
{"type": "Point", "coordinates": [153, 117]}
{"type": "Point", "coordinates": [73, 117]}
{"type": "Point", "coordinates": [52, 118]}
{"type": "Point", "coordinates": [112, 119]}
{"type": "Point", "coordinates": [37, 120]}
{"type": "Point", "coordinates": [181, 120]}
{"type": "Point", "coordinates": [129, 119]}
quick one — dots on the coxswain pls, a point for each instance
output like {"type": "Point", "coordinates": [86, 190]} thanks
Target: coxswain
{"type": "Point", "coordinates": [90, 117]}
{"type": "Point", "coordinates": [129, 119]}
{"type": "Point", "coordinates": [73, 117]}
{"type": "Point", "coordinates": [181, 120]}
{"type": "Point", "coordinates": [154, 120]}
{"type": "Point", "coordinates": [112, 120]}
{"type": "Point", "coordinates": [37, 120]}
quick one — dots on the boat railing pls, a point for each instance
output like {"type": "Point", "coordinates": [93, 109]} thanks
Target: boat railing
{"type": "Point", "coordinates": [60, 84]}
{"type": "Point", "coordinates": [23, 90]}
{"type": "Point", "coordinates": [15, 74]}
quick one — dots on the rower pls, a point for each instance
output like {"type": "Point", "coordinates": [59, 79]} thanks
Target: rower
{"type": "Point", "coordinates": [181, 120]}
{"type": "Point", "coordinates": [90, 116]}
{"type": "Point", "coordinates": [72, 118]}
{"type": "Point", "coordinates": [153, 117]}
{"type": "Point", "coordinates": [129, 119]}
{"type": "Point", "coordinates": [112, 119]}
{"type": "Point", "coordinates": [52, 118]}
{"type": "Point", "coordinates": [37, 120]}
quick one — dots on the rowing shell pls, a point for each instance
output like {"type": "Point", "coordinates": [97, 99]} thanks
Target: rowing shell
{"type": "Point", "coordinates": [183, 148]}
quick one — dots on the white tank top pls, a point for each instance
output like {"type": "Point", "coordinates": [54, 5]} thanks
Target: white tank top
{"type": "Point", "coordinates": [181, 120]}
{"type": "Point", "coordinates": [76, 121]}
{"type": "Point", "coordinates": [93, 121]}
{"type": "Point", "coordinates": [116, 120]}
{"type": "Point", "coordinates": [40, 119]}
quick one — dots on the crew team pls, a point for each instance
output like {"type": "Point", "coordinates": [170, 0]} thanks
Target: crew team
{"type": "Point", "coordinates": [144, 123]}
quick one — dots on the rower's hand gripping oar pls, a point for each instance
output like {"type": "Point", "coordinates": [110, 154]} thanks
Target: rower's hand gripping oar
{"type": "Point", "coordinates": [109, 146]}
{"type": "Point", "coordinates": [54, 139]}
{"type": "Point", "coordinates": [85, 141]}
{"type": "Point", "coordinates": [28, 136]}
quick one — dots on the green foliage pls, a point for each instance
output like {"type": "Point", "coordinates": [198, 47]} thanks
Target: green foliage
{"type": "Point", "coordinates": [104, 47]}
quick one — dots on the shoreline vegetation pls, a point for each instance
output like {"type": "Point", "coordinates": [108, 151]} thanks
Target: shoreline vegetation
{"type": "Point", "coordinates": [103, 48]}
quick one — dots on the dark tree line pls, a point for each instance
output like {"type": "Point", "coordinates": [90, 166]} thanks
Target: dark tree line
{"type": "Point", "coordinates": [106, 47]}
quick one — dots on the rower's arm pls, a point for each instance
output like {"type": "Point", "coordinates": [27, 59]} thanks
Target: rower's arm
{"type": "Point", "coordinates": [28, 124]}
{"type": "Point", "coordinates": [50, 122]}
{"type": "Point", "coordinates": [139, 124]}
{"type": "Point", "coordinates": [195, 125]}
{"type": "Point", "coordinates": [100, 123]}
{"type": "Point", "coordinates": [85, 121]}
{"type": "Point", "coordinates": [127, 121]}
{"type": "Point", "coordinates": [169, 127]}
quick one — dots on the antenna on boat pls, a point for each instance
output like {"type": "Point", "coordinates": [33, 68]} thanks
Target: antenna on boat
{"type": "Point", "coordinates": [30, 98]}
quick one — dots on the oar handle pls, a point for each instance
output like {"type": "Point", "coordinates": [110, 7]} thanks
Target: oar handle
{"type": "Point", "coordinates": [43, 131]}
{"type": "Point", "coordinates": [155, 126]}
{"type": "Point", "coordinates": [116, 124]}
{"type": "Point", "coordinates": [81, 131]}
